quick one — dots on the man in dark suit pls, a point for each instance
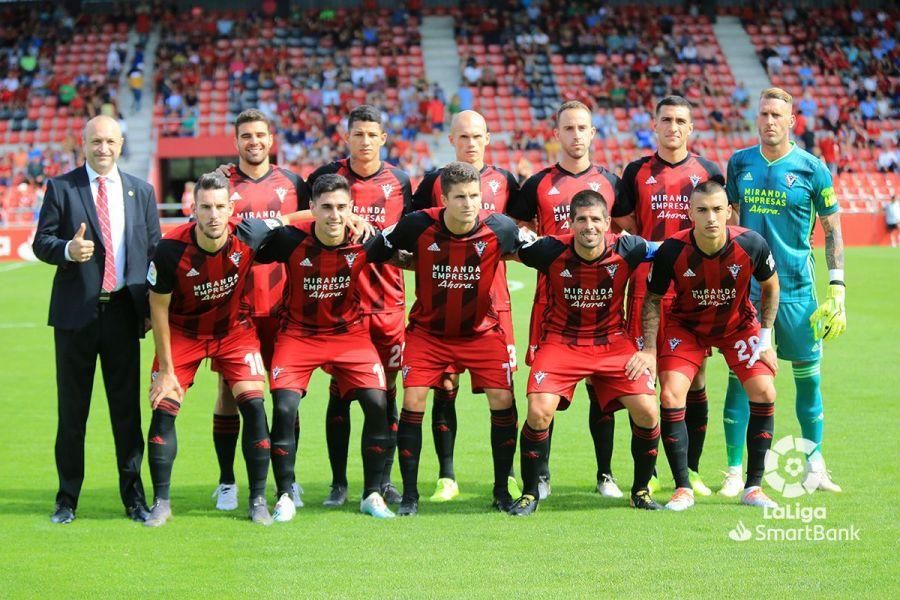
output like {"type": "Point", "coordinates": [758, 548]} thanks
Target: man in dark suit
{"type": "Point", "coordinates": [100, 227]}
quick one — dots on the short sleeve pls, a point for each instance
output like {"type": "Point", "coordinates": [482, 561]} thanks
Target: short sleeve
{"type": "Point", "coordinates": [507, 232]}
{"type": "Point", "coordinates": [424, 196]}
{"type": "Point", "coordinates": [663, 270]}
{"type": "Point", "coordinates": [256, 232]}
{"type": "Point", "coordinates": [731, 187]}
{"type": "Point", "coordinates": [626, 199]}
{"type": "Point", "coordinates": [161, 271]}
{"type": "Point", "coordinates": [406, 189]}
{"type": "Point", "coordinates": [634, 249]}
{"type": "Point", "coordinates": [713, 172]}
{"type": "Point", "coordinates": [279, 247]}
{"type": "Point", "coordinates": [541, 253]}
{"type": "Point", "coordinates": [824, 199]}
{"type": "Point", "coordinates": [524, 205]}
{"type": "Point", "coordinates": [400, 236]}
{"type": "Point", "coordinates": [760, 255]}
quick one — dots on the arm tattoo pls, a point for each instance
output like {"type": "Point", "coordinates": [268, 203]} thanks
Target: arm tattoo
{"type": "Point", "coordinates": [834, 241]}
{"type": "Point", "coordinates": [768, 306]}
{"type": "Point", "coordinates": [650, 320]}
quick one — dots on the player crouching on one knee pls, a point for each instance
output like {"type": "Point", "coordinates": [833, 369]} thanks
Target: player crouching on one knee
{"type": "Point", "coordinates": [583, 337]}
{"type": "Point", "coordinates": [710, 267]}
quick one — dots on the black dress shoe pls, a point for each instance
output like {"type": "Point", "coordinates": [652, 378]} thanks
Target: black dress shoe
{"type": "Point", "coordinates": [138, 512]}
{"type": "Point", "coordinates": [62, 514]}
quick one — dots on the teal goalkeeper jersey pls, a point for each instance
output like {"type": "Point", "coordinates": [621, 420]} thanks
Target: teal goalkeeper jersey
{"type": "Point", "coordinates": [780, 200]}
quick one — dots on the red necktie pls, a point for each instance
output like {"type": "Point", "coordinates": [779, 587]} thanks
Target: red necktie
{"type": "Point", "coordinates": [109, 263]}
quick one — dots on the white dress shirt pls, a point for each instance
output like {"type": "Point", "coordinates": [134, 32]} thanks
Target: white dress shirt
{"type": "Point", "coordinates": [115, 198]}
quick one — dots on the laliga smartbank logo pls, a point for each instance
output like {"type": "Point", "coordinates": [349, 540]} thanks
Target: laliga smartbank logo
{"type": "Point", "coordinates": [787, 471]}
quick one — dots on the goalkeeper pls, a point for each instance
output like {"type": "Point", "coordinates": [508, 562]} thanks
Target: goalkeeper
{"type": "Point", "coordinates": [780, 190]}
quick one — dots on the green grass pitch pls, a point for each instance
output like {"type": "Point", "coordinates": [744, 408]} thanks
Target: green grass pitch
{"type": "Point", "coordinates": [577, 545]}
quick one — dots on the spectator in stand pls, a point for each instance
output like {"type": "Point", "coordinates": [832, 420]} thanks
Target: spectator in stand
{"type": "Point", "coordinates": [187, 199]}
{"type": "Point", "coordinates": [892, 219]}
{"type": "Point", "coordinates": [472, 73]}
{"type": "Point", "coordinates": [774, 64]}
{"type": "Point", "coordinates": [113, 62]}
{"type": "Point", "coordinates": [830, 149]}
{"type": "Point", "coordinates": [593, 74]}
{"type": "Point", "coordinates": [804, 132]}
{"type": "Point", "coordinates": [888, 159]}
{"type": "Point", "coordinates": [807, 79]}
{"type": "Point", "coordinates": [136, 85]}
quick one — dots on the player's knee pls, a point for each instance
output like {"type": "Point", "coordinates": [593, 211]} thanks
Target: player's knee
{"type": "Point", "coordinates": [372, 401]}
{"type": "Point", "coordinates": [669, 398]}
{"type": "Point", "coordinates": [285, 404]}
{"type": "Point", "coordinates": [762, 392]}
{"type": "Point", "coordinates": [168, 406]}
{"type": "Point", "coordinates": [644, 412]}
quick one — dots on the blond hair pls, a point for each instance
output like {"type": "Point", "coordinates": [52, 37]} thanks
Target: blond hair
{"type": "Point", "coordinates": [775, 93]}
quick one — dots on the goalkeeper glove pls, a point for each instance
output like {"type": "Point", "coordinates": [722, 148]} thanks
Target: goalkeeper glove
{"type": "Point", "coordinates": [829, 320]}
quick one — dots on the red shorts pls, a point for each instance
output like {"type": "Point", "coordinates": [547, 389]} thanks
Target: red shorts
{"type": "Point", "coordinates": [266, 329]}
{"type": "Point", "coordinates": [535, 330]}
{"type": "Point", "coordinates": [428, 357]}
{"type": "Point", "coordinates": [388, 334]}
{"type": "Point", "coordinates": [633, 320]}
{"type": "Point", "coordinates": [505, 318]}
{"type": "Point", "coordinates": [683, 351]}
{"type": "Point", "coordinates": [348, 357]}
{"type": "Point", "coordinates": [236, 356]}
{"type": "Point", "coordinates": [558, 368]}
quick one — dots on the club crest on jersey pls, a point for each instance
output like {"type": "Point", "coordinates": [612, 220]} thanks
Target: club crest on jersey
{"type": "Point", "coordinates": [734, 269]}
{"type": "Point", "coordinates": [650, 180]}
{"type": "Point", "coordinates": [494, 185]}
{"type": "Point", "coordinates": [281, 192]}
{"type": "Point", "coordinates": [770, 261]}
{"type": "Point", "coordinates": [611, 269]}
{"type": "Point", "coordinates": [639, 340]}
{"type": "Point", "coordinates": [236, 258]}
{"type": "Point", "coordinates": [480, 247]}
{"type": "Point", "coordinates": [673, 343]}
{"type": "Point", "coordinates": [276, 371]}
{"type": "Point", "coordinates": [350, 258]}
{"type": "Point", "coordinates": [539, 376]}
{"type": "Point", "coordinates": [387, 188]}
{"type": "Point", "coordinates": [790, 178]}
{"type": "Point", "coordinates": [151, 273]}
{"type": "Point", "coordinates": [404, 371]}
{"type": "Point", "coordinates": [594, 186]}
{"type": "Point", "coordinates": [695, 180]}
{"type": "Point", "coordinates": [192, 273]}
{"type": "Point", "coordinates": [565, 273]}
{"type": "Point", "coordinates": [305, 263]}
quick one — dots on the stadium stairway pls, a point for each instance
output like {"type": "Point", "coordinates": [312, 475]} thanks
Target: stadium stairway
{"type": "Point", "coordinates": [441, 57]}
{"type": "Point", "coordinates": [741, 55]}
{"type": "Point", "coordinates": [139, 138]}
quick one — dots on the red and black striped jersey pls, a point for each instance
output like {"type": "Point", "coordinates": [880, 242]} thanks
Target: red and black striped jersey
{"type": "Point", "coordinates": [381, 198]}
{"type": "Point", "coordinates": [207, 288]}
{"type": "Point", "coordinates": [454, 273]}
{"type": "Point", "coordinates": [322, 291]}
{"type": "Point", "coordinates": [584, 298]}
{"type": "Point", "coordinates": [498, 190]}
{"type": "Point", "coordinates": [548, 193]}
{"type": "Point", "coordinates": [712, 293]}
{"type": "Point", "coordinates": [277, 192]}
{"type": "Point", "coordinates": [657, 193]}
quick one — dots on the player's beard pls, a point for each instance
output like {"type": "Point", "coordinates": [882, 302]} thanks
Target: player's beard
{"type": "Point", "coordinates": [576, 154]}
{"type": "Point", "coordinates": [213, 235]}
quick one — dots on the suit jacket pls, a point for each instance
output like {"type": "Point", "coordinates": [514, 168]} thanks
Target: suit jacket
{"type": "Point", "coordinates": [76, 287]}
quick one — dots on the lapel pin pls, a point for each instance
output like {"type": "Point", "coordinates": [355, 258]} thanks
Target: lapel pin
{"type": "Point", "coordinates": [131, 192]}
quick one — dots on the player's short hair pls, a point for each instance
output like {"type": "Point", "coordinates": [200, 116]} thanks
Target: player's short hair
{"type": "Point", "coordinates": [330, 182]}
{"type": "Point", "coordinates": [673, 101]}
{"type": "Point", "coordinates": [456, 173]}
{"type": "Point", "coordinates": [571, 105]}
{"type": "Point", "coordinates": [708, 188]}
{"type": "Point", "coordinates": [586, 198]}
{"type": "Point", "coordinates": [365, 113]}
{"type": "Point", "coordinates": [775, 93]}
{"type": "Point", "coordinates": [251, 115]}
{"type": "Point", "coordinates": [211, 181]}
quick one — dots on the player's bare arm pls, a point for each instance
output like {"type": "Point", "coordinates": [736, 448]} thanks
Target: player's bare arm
{"type": "Point", "coordinates": [768, 309]}
{"type": "Point", "coordinates": [165, 384]}
{"type": "Point", "coordinates": [646, 357]}
{"type": "Point", "coordinates": [834, 241]}
{"type": "Point", "coordinates": [627, 223]}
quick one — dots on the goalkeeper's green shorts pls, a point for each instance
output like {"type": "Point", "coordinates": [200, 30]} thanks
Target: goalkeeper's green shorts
{"type": "Point", "coordinates": [794, 340]}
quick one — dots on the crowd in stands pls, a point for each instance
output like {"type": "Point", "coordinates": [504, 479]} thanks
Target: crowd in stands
{"type": "Point", "coordinates": [23, 174]}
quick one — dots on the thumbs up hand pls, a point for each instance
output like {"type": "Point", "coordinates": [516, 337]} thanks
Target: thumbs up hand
{"type": "Point", "coordinates": [80, 249]}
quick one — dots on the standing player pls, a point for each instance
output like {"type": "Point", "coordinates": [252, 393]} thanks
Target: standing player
{"type": "Point", "coordinates": [196, 280]}
{"type": "Point", "coordinates": [654, 204]}
{"type": "Point", "coordinates": [584, 337]}
{"type": "Point", "coordinates": [323, 327]}
{"type": "Point", "coordinates": [780, 189]}
{"type": "Point", "coordinates": [453, 325]}
{"type": "Point", "coordinates": [470, 137]}
{"type": "Point", "coordinates": [381, 194]}
{"type": "Point", "coordinates": [546, 196]}
{"type": "Point", "coordinates": [263, 191]}
{"type": "Point", "coordinates": [711, 266]}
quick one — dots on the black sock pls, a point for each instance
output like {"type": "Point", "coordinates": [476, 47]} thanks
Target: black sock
{"type": "Point", "coordinates": [226, 429]}
{"type": "Point", "coordinates": [443, 429]}
{"type": "Point", "coordinates": [533, 457]}
{"type": "Point", "coordinates": [545, 465]}
{"type": "Point", "coordinates": [392, 418]}
{"type": "Point", "coordinates": [696, 417]}
{"type": "Point", "coordinates": [376, 439]}
{"type": "Point", "coordinates": [504, 430]}
{"type": "Point", "coordinates": [297, 430]}
{"type": "Point", "coordinates": [162, 446]}
{"type": "Point", "coordinates": [337, 434]}
{"type": "Point", "coordinates": [603, 429]}
{"type": "Point", "coordinates": [409, 447]}
{"type": "Point", "coordinates": [674, 434]}
{"type": "Point", "coordinates": [759, 440]}
{"type": "Point", "coordinates": [515, 409]}
{"type": "Point", "coordinates": [644, 449]}
{"type": "Point", "coordinates": [255, 441]}
{"type": "Point", "coordinates": [284, 445]}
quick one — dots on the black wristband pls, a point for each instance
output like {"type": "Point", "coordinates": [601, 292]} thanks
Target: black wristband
{"type": "Point", "coordinates": [837, 282]}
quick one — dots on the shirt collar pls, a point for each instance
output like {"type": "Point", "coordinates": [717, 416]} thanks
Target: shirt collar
{"type": "Point", "coordinates": [111, 177]}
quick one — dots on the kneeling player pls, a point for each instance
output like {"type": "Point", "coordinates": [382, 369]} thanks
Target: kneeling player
{"type": "Point", "coordinates": [196, 279]}
{"type": "Point", "coordinates": [322, 327]}
{"type": "Point", "coordinates": [711, 266]}
{"type": "Point", "coordinates": [453, 325]}
{"type": "Point", "coordinates": [583, 337]}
